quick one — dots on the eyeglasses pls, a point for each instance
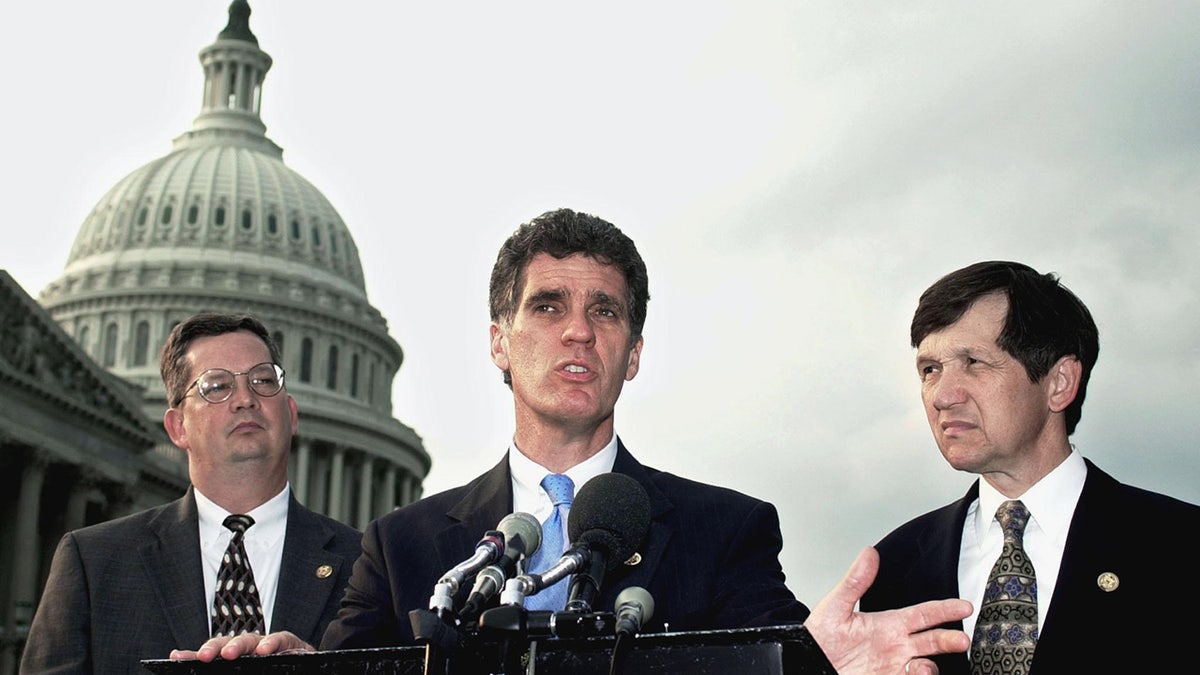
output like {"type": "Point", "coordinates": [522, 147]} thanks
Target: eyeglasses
{"type": "Point", "coordinates": [216, 385]}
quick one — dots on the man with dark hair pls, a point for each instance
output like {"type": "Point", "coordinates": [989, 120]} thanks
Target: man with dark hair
{"type": "Point", "coordinates": [1072, 574]}
{"type": "Point", "coordinates": [137, 587]}
{"type": "Point", "coordinates": [568, 301]}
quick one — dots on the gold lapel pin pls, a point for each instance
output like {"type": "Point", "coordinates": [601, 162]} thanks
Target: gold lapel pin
{"type": "Point", "coordinates": [1108, 582]}
{"type": "Point", "coordinates": [634, 559]}
{"type": "Point", "coordinates": [324, 571]}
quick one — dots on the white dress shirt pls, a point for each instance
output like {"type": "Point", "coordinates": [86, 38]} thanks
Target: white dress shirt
{"type": "Point", "coordinates": [263, 542]}
{"type": "Point", "coordinates": [527, 475]}
{"type": "Point", "coordinates": [1051, 504]}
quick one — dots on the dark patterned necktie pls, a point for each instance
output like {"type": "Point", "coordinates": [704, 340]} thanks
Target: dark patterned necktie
{"type": "Point", "coordinates": [562, 492]}
{"type": "Point", "coordinates": [236, 608]}
{"type": "Point", "coordinates": [1007, 630]}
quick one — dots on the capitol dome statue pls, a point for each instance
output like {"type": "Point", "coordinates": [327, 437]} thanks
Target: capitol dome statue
{"type": "Point", "coordinates": [221, 223]}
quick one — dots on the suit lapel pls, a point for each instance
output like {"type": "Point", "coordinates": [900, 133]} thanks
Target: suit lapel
{"type": "Point", "coordinates": [659, 536]}
{"type": "Point", "coordinates": [171, 558]}
{"type": "Point", "coordinates": [936, 563]}
{"type": "Point", "coordinates": [480, 510]}
{"type": "Point", "coordinates": [308, 575]}
{"type": "Point", "coordinates": [1088, 551]}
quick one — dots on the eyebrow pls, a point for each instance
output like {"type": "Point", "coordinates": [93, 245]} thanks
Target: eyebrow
{"type": "Point", "coordinates": [595, 297]}
{"type": "Point", "coordinates": [546, 295]}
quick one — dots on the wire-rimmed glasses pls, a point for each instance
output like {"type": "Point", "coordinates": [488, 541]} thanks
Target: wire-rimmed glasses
{"type": "Point", "coordinates": [216, 385]}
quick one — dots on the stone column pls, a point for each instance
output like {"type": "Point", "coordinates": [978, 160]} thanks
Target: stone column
{"type": "Point", "coordinates": [385, 501]}
{"type": "Point", "coordinates": [300, 485]}
{"type": "Point", "coordinates": [23, 585]}
{"type": "Point", "coordinates": [336, 483]}
{"type": "Point", "coordinates": [81, 493]}
{"type": "Point", "coordinates": [406, 491]}
{"type": "Point", "coordinates": [366, 492]}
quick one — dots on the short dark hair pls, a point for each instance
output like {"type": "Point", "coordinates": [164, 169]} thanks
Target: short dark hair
{"type": "Point", "coordinates": [561, 233]}
{"type": "Point", "coordinates": [172, 363]}
{"type": "Point", "coordinates": [1045, 321]}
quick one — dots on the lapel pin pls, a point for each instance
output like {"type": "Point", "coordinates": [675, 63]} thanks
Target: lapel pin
{"type": "Point", "coordinates": [1108, 582]}
{"type": "Point", "coordinates": [634, 559]}
{"type": "Point", "coordinates": [324, 571]}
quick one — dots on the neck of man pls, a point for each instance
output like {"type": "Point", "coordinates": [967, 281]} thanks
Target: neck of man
{"type": "Point", "coordinates": [1016, 481]}
{"type": "Point", "coordinates": [559, 448]}
{"type": "Point", "coordinates": [240, 493]}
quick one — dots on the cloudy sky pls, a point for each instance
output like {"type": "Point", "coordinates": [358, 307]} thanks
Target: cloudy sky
{"type": "Point", "coordinates": [794, 173]}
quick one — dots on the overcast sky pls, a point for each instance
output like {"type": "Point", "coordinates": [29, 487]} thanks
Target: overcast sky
{"type": "Point", "coordinates": [794, 174]}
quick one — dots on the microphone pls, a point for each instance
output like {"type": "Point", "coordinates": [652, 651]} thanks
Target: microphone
{"type": "Point", "coordinates": [522, 536]}
{"type": "Point", "coordinates": [611, 515]}
{"type": "Point", "coordinates": [634, 608]}
{"type": "Point", "coordinates": [608, 521]}
{"type": "Point", "coordinates": [490, 548]}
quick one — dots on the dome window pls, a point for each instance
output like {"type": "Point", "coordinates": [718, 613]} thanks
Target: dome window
{"type": "Point", "coordinates": [142, 215]}
{"type": "Point", "coordinates": [333, 242]}
{"type": "Point", "coordinates": [295, 229]}
{"type": "Point", "coordinates": [141, 343]}
{"type": "Point", "coordinates": [193, 214]}
{"type": "Point", "coordinates": [272, 224]}
{"type": "Point", "coordinates": [166, 214]}
{"type": "Point", "coordinates": [110, 345]}
{"type": "Point", "coordinates": [306, 356]}
{"type": "Point", "coordinates": [316, 236]}
{"type": "Point", "coordinates": [219, 216]}
{"type": "Point", "coordinates": [83, 338]}
{"type": "Point", "coordinates": [331, 379]}
{"type": "Point", "coordinates": [247, 221]}
{"type": "Point", "coordinates": [354, 375]}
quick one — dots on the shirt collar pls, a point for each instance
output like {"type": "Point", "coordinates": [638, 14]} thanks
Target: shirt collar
{"type": "Point", "coordinates": [270, 517]}
{"type": "Point", "coordinates": [527, 474]}
{"type": "Point", "coordinates": [1050, 501]}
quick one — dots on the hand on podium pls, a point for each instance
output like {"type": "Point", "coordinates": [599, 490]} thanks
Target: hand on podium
{"type": "Point", "coordinates": [883, 642]}
{"type": "Point", "coordinates": [228, 648]}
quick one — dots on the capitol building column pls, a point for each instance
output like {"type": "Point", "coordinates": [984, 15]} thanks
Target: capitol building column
{"type": "Point", "coordinates": [23, 584]}
{"type": "Point", "coordinates": [366, 483]}
{"type": "Point", "coordinates": [300, 483]}
{"type": "Point", "coordinates": [337, 484]}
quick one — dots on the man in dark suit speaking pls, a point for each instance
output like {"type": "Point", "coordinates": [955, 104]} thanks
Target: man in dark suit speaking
{"type": "Point", "coordinates": [568, 300]}
{"type": "Point", "coordinates": [1068, 570]}
{"type": "Point", "coordinates": [137, 587]}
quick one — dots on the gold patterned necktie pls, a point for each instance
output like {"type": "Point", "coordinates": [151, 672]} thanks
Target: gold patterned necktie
{"type": "Point", "coordinates": [236, 608]}
{"type": "Point", "coordinates": [1007, 630]}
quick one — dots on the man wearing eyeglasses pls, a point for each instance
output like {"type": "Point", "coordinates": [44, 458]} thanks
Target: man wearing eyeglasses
{"type": "Point", "coordinates": [175, 575]}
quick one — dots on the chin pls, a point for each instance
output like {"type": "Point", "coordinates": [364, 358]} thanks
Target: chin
{"type": "Point", "coordinates": [963, 459]}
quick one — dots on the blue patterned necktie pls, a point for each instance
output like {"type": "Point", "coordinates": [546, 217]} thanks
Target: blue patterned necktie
{"type": "Point", "coordinates": [562, 492]}
{"type": "Point", "coordinates": [236, 608]}
{"type": "Point", "coordinates": [1007, 630]}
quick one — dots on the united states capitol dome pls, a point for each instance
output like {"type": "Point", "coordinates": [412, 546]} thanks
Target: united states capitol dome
{"type": "Point", "coordinates": [221, 223]}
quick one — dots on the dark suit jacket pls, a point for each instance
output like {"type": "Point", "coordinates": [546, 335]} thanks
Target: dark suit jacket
{"type": "Point", "coordinates": [711, 559]}
{"type": "Point", "coordinates": [1144, 626]}
{"type": "Point", "coordinates": [132, 589]}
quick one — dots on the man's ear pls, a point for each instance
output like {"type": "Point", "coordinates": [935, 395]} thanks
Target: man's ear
{"type": "Point", "coordinates": [499, 345]}
{"type": "Point", "coordinates": [1062, 382]}
{"type": "Point", "coordinates": [173, 423]}
{"type": "Point", "coordinates": [635, 360]}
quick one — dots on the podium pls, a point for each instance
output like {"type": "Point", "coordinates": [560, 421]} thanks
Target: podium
{"type": "Point", "coordinates": [748, 651]}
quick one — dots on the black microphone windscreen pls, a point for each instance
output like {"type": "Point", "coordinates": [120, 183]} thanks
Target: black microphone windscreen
{"type": "Point", "coordinates": [614, 511]}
